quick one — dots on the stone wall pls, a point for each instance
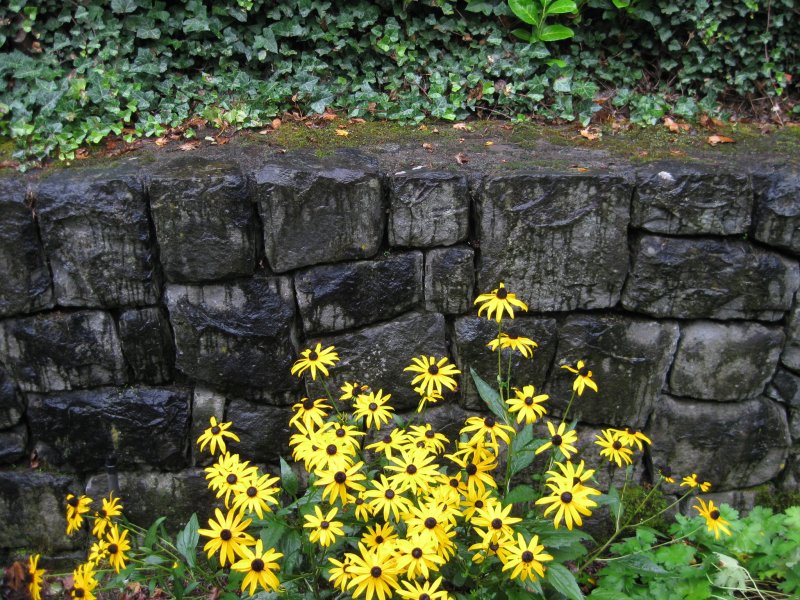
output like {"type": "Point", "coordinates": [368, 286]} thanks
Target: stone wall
{"type": "Point", "coordinates": [140, 298]}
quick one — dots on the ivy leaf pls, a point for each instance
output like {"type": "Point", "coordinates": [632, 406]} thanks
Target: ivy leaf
{"type": "Point", "coordinates": [527, 11]}
{"type": "Point", "coordinates": [123, 6]}
{"type": "Point", "coordinates": [563, 581]}
{"type": "Point", "coordinates": [187, 541]}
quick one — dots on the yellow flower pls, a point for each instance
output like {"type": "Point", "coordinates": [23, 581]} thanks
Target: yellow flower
{"type": "Point", "coordinates": [379, 537]}
{"type": "Point", "coordinates": [613, 449]}
{"type": "Point", "coordinates": [374, 573]}
{"type": "Point", "coordinates": [260, 567]}
{"type": "Point", "coordinates": [563, 441]}
{"type": "Point", "coordinates": [390, 442]}
{"type": "Point", "coordinates": [339, 574]}
{"type": "Point", "coordinates": [228, 536]}
{"type": "Point", "coordinates": [489, 547]}
{"type": "Point", "coordinates": [118, 544]}
{"type": "Point", "coordinates": [111, 507]}
{"type": "Point", "coordinates": [215, 436]}
{"type": "Point", "coordinates": [387, 497]}
{"type": "Point", "coordinates": [474, 501]}
{"type": "Point", "coordinates": [526, 559]}
{"type": "Point", "coordinates": [512, 341]}
{"type": "Point", "coordinates": [714, 520]}
{"type": "Point", "coordinates": [414, 469]}
{"type": "Point", "coordinates": [499, 301]}
{"type": "Point", "coordinates": [433, 374]}
{"type": "Point", "coordinates": [432, 398]}
{"type": "Point", "coordinates": [76, 508]}
{"type": "Point", "coordinates": [583, 379]}
{"type": "Point", "coordinates": [487, 426]}
{"type": "Point", "coordinates": [373, 408]}
{"type": "Point", "coordinates": [34, 577]}
{"type": "Point", "coordinates": [309, 412]}
{"type": "Point", "coordinates": [478, 469]}
{"type": "Point", "coordinates": [417, 556]}
{"type": "Point", "coordinates": [631, 438]}
{"type": "Point", "coordinates": [339, 483]}
{"type": "Point", "coordinates": [527, 404]}
{"type": "Point", "coordinates": [415, 590]}
{"type": "Point", "coordinates": [352, 389]}
{"type": "Point", "coordinates": [692, 481]}
{"type": "Point", "coordinates": [433, 522]}
{"type": "Point", "coordinates": [423, 436]}
{"type": "Point", "coordinates": [256, 494]}
{"type": "Point", "coordinates": [318, 358]}
{"type": "Point", "coordinates": [325, 529]}
{"type": "Point", "coordinates": [226, 473]}
{"type": "Point", "coordinates": [570, 475]}
{"type": "Point", "coordinates": [496, 520]}
{"type": "Point", "coordinates": [569, 504]}
{"type": "Point", "coordinates": [363, 510]}
{"type": "Point", "coordinates": [98, 552]}
{"type": "Point", "coordinates": [83, 582]}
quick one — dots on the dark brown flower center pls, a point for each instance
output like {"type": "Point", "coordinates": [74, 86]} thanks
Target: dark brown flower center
{"type": "Point", "coordinates": [583, 371]}
{"type": "Point", "coordinates": [372, 406]}
{"type": "Point", "coordinates": [454, 483]}
{"type": "Point", "coordinates": [375, 572]}
{"type": "Point", "coordinates": [556, 440]}
{"type": "Point", "coordinates": [215, 430]}
{"type": "Point", "coordinates": [331, 449]}
{"type": "Point", "coordinates": [576, 480]}
{"type": "Point", "coordinates": [340, 432]}
{"type": "Point", "coordinates": [430, 522]}
{"type": "Point", "coordinates": [231, 479]}
{"type": "Point", "coordinates": [411, 469]}
{"type": "Point", "coordinates": [471, 469]}
{"type": "Point", "coordinates": [324, 525]}
{"type": "Point", "coordinates": [420, 444]}
{"type": "Point", "coordinates": [73, 502]}
{"type": "Point", "coordinates": [527, 556]}
{"type": "Point", "coordinates": [433, 370]}
{"type": "Point", "coordinates": [225, 535]}
{"type": "Point", "coordinates": [478, 503]}
{"type": "Point", "coordinates": [379, 539]}
{"type": "Point", "coordinates": [494, 546]}
{"type": "Point", "coordinates": [389, 494]}
{"type": "Point", "coordinates": [489, 422]}
{"type": "Point", "coordinates": [340, 477]}
{"type": "Point", "coordinates": [308, 404]}
{"type": "Point", "coordinates": [77, 592]}
{"type": "Point", "coordinates": [566, 497]}
{"type": "Point", "coordinates": [257, 565]}
{"type": "Point", "coordinates": [714, 514]}
{"type": "Point", "coordinates": [103, 513]}
{"type": "Point", "coordinates": [424, 596]}
{"type": "Point", "coordinates": [313, 355]}
{"type": "Point", "coordinates": [616, 445]}
{"type": "Point", "coordinates": [497, 524]}
{"type": "Point", "coordinates": [252, 492]}
{"type": "Point", "coordinates": [387, 439]}
{"type": "Point", "coordinates": [416, 553]}
{"type": "Point", "coordinates": [528, 401]}
{"type": "Point", "coordinates": [113, 548]}
{"type": "Point", "coordinates": [501, 294]}
{"type": "Point", "coordinates": [429, 434]}
{"type": "Point", "coordinates": [359, 501]}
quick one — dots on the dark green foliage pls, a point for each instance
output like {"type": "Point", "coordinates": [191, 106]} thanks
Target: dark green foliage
{"type": "Point", "coordinates": [74, 73]}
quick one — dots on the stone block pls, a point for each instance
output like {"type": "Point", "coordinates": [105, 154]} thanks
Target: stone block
{"type": "Point", "coordinates": [725, 361]}
{"type": "Point", "coordinates": [680, 200]}
{"type": "Point", "coordinates": [472, 334]}
{"type": "Point", "coordinates": [147, 344]}
{"type": "Point", "coordinates": [732, 445]}
{"type": "Point", "coordinates": [62, 351]}
{"type": "Point", "coordinates": [96, 234]}
{"type": "Point", "coordinates": [777, 211]}
{"type": "Point", "coordinates": [785, 388]}
{"type": "Point", "coordinates": [352, 294]}
{"type": "Point", "coordinates": [235, 335]}
{"type": "Point", "coordinates": [206, 404]}
{"type": "Point", "coordinates": [138, 425]}
{"type": "Point", "coordinates": [32, 510]}
{"type": "Point", "coordinates": [262, 429]}
{"type": "Point", "coordinates": [377, 355]}
{"type": "Point", "coordinates": [13, 444]}
{"type": "Point", "coordinates": [629, 359]}
{"type": "Point", "coordinates": [449, 280]}
{"type": "Point", "coordinates": [23, 266]}
{"type": "Point", "coordinates": [205, 222]}
{"type": "Point", "coordinates": [318, 211]}
{"type": "Point", "coordinates": [428, 208]}
{"type": "Point", "coordinates": [709, 278]}
{"type": "Point", "coordinates": [12, 406]}
{"type": "Point", "coordinates": [558, 241]}
{"type": "Point", "coordinates": [791, 350]}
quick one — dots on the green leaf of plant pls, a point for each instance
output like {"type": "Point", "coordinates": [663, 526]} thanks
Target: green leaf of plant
{"type": "Point", "coordinates": [555, 32]}
{"type": "Point", "coordinates": [152, 532]}
{"type": "Point", "coordinates": [563, 581]}
{"type": "Point", "coordinates": [521, 493]}
{"type": "Point", "coordinates": [490, 396]}
{"type": "Point", "coordinates": [187, 541]}
{"type": "Point", "coordinates": [289, 481]}
{"type": "Point", "coordinates": [123, 6]}
{"type": "Point", "coordinates": [524, 34]}
{"type": "Point", "coordinates": [528, 11]}
{"type": "Point", "coordinates": [560, 7]}
{"type": "Point", "coordinates": [641, 563]}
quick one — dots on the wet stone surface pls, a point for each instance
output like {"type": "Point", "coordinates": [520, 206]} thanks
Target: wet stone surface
{"type": "Point", "coordinates": [147, 344]}
{"type": "Point", "coordinates": [13, 444]}
{"type": "Point", "coordinates": [12, 405]}
{"type": "Point", "coordinates": [262, 429]}
{"type": "Point", "coordinates": [777, 211]}
{"type": "Point", "coordinates": [449, 280]}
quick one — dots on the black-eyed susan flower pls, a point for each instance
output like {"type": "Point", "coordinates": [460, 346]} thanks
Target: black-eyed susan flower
{"type": "Point", "coordinates": [512, 341]}
{"type": "Point", "coordinates": [390, 442]}
{"type": "Point", "coordinates": [387, 497]}
{"type": "Point", "coordinates": [323, 528]}
{"type": "Point", "coordinates": [382, 535]}
{"type": "Point", "coordinates": [415, 590]}
{"type": "Point", "coordinates": [228, 536]}
{"type": "Point", "coordinates": [569, 504]}
{"type": "Point", "coordinates": [489, 547]}
{"type": "Point", "coordinates": [374, 573]}
{"type": "Point", "coordinates": [413, 469]}
{"type": "Point", "coordinates": [118, 545]}
{"type": "Point", "coordinates": [666, 474]}
{"type": "Point", "coordinates": [423, 436]}
{"type": "Point", "coordinates": [499, 301]}
{"type": "Point", "coordinates": [227, 473]}
{"type": "Point", "coordinates": [310, 413]}
{"type": "Point", "coordinates": [329, 453]}
{"type": "Point", "coordinates": [315, 359]}
{"type": "Point", "coordinates": [256, 494]}
{"type": "Point", "coordinates": [34, 577]}
{"type": "Point", "coordinates": [98, 552]}
{"type": "Point", "coordinates": [351, 389]}
{"type": "Point", "coordinates": [583, 377]}
{"type": "Point", "coordinates": [487, 429]}
{"type": "Point", "coordinates": [417, 556]}
{"type": "Point", "coordinates": [363, 509]}
{"type": "Point", "coordinates": [613, 449]}
{"type": "Point", "coordinates": [630, 437]}
{"type": "Point", "coordinates": [374, 408]}
{"type": "Point", "coordinates": [427, 398]}
{"type": "Point", "coordinates": [84, 582]}
{"type": "Point", "coordinates": [714, 520]}
{"type": "Point", "coordinates": [561, 440]}
{"type": "Point", "coordinates": [528, 405]}
{"type": "Point", "coordinates": [570, 475]}
{"type": "Point", "coordinates": [477, 467]}
{"type": "Point", "coordinates": [215, 436]}
{"type": "Point", "coordinates": [694, 482]}
{"type": "Point", "coordinates": [76, 508]}
{"type": "Point", "coordinates": [474, 501]}
{"type": "Point", "coordinates": [450, 488]}
{"type": "Point", "coordinates": [111, 507]}
{"type": "Point", "coordinates": [525, 559]}
{"type": "Point", "coordinates": [339, 483]}
{"type": "Point", "coordinates": [434, 522]}
{"type": "Point", "coordinates": [339, 574]}
{"type": "Point", "coordinates": [495, 520]}
{"type": "Point", "coordinates": [260, 567]}
{"type": "Point", "coordinates": [433, 374]}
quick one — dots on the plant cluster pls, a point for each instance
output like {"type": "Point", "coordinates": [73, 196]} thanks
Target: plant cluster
{"type": "Point", "coordinates": [392, 508]}
{"type": "Point", "coordinates": [77, 73]}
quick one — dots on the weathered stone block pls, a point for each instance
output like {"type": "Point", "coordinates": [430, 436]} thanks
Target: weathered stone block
{"type": "Point", "coordinates": [428, 208]}
{"type": "Point", "coordinates": [678, 200]}
{"type": "Point", "coordinates": [725, 361]}
{"type": "Point", "coordinates": [709, 278]}
{"type": "Point", "coordinates": [319, 211]}
{"type": "Point", "coordinates": [791, 351]}
{"type": "Point", "coordinates": [449, 279]}
{"type": "Point", "coordinates": [629, 359]}
{"type": "Point", "coordinates": [777, 211]}
{"type": "Point", "coordinates": [377, 356]}
{"type": "Point", "coordinates": [336, 297]}
{"type": "Point", "coordinates": [13, 444]}
{"type": "Point", "coordinates": [263, 431]}
{"type": "Point", "coordinates": [23, 267]}
{"type": "Point", "coordinates": [32, 510]}
{"type": "Point", "coordinates": [206, 404]}
{"type": "Point", "coordinates": [148, 496]}
{"type": "Point", "coordinates": [205, 222]}
{"type": "Point", "coordinates": [96, 234]}
{"type": "Point", "coordinates": [785, 388]}
{"type": "Point", "coordinates": [472, 334]}
{"type": "Point", "coordinates": [12, 406]}
{"type": "Point", "coordinates": [731, 445]}
{"type": "Point", "coordinates": [558, 241]}
{"type": "Point", "coordinates": [235, 335]}
{"type": "Point", "coordinates": [62, 351]}
{"type": "Point", "coordinates": [147, 344]}
{"type": "Point", "coordinates": [138, 425]}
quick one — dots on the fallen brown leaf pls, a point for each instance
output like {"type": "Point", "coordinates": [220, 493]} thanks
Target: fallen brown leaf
{"type": "Point", "coordinates": [342, 132]}
{"type": "Point", "coordinates": [81, 154]}
{"type": "Point", "coordinates": [423, 127]}
{"type": "Point", "coordinates": [189, 145]}
{"type": "Point", "coordinates": [434, 130]}
{"type": "Point", "coordinates": [719, 139]}
{"type": "Point", "coordinates": [328, 115]}
{"type": "Point", "coordinates": [8, 164]}
{"type": "Point", "coordinates": [427, 146]}
{"type": "Point", "coordinates": [276, 123]}
{"type": "Point", "coordinates": [358, 121]}
{"type": "Point", "coordinates": [462, 127]}
{"type": "Point", "coordinates": [488, 143]}
{"type": "Point", "coordinates": [591, 133]}
{"type": "Point", "coordinates": [677, 153]}
{"type": "Point", "coordinates": [265, 131]}
{"type": "Point", "coordinates": [507, 127]}
{"type": "Point", "coordinates": [675, 127]}
{"type": "Point", "coordinates": [462, 158]}
{"type": "Point", "coordinates": [162, 141]}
